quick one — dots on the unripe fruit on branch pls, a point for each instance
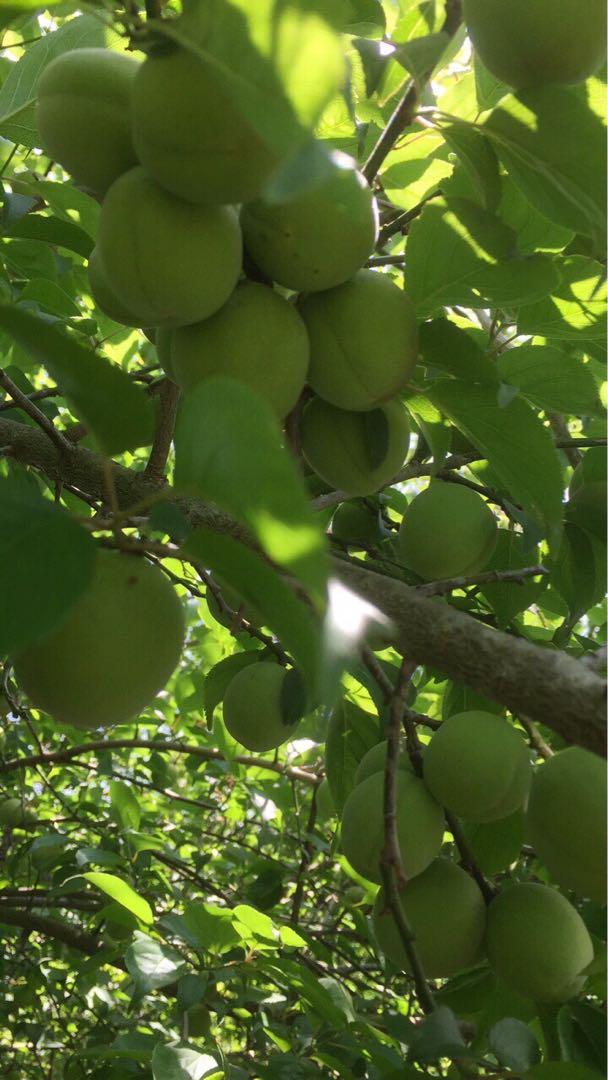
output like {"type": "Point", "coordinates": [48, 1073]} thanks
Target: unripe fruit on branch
{"type": "Point", "coordinates": [537, 943]}
{"type": "Point", "coordinates": [170, 262]}
{"type": "Point", "coordinates": [316, 241]}
{"type": "Point", "coordinates": [257, 337]}
{"type": "Point", "coordinates": [478, 766]}
{"type": "Point", "coordinates": [588, 493]}
{"type": "Point", "coordinates": [263, 706]}
{"type": "Point", "coordinates": [83, 115]}
{"type": "Point", "coordinates": [358, 453]}
{"type": "Point", "coordinates": [445, 910]}
{"type": "Point", "coordinates": [14, 813]}
{"type": "Point", "coordinates": [531, 42]}
{"type": "Point", "coordinates": [375, 762]}
{"type": "Point", "coordinates": [357, 524]}
{"type": "Point", "coordinates": [113, 651]}
{"type": "Point", "coordinates": [104, 297]}
{"type": "Point", "coordinates": [566, 821]}
{"type": "Point", "coordinates": [420, 825]}
{"type": "Point", "coordinates": [363, 341]}
{"type": "Point", "coordinates": [447, 531]}
{"type": "Point", "coordinates": [190, 136]}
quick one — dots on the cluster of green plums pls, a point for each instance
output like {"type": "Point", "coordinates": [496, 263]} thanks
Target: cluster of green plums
{"type": "Point", "coordinates": [477, 767]}
{"type": "Point", "coordinates": [447, 531]}
{"type": "Point", "coordinates": [182, 174]}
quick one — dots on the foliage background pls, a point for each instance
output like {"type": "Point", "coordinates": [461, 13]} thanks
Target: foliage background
{"type": "Point", "coordinates": [159, 866]}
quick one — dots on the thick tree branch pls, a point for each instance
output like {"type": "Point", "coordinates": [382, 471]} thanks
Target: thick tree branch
{"type": "Point", "coordinates": [51, 928]}
{"type": "Point", "coordinates": [543, 683]}
{"type": "Point", "coordinates": [547, 685]}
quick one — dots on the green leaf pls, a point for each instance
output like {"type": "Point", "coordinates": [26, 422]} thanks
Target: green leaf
{"type": "Point", "coordinates": [551, 141]}
{"type": "Point", "coordinates": [551, 379]}
{"type": "Point", "coordinates": [221, 675]}
{"type": "Point", "coordinates": [151, 964]}
{"type": "Point", "coordinates": [437, 1036]}
{"type": "Point", "coordinates": [50, 297]}
{"type": "Point", "coordinates": [513, 1044]}
{"type": "Point", "coordinates": [581, 1028]}
{"type": "Point", "coordinates": [576, 309]}
{"type": "Point", "coordinates": [228, 451]}
{"type": "Point", "coordinates": [18, 92]}
{"type": "Point", "coordinates": [296, 978]}
{"type": "Point", "coordinates": [508, 598]}
{"type": "Point", "coordinates": [517, 446]}
{"type": "Point", "coordinates": [36, 591]}
{"type": "Point", "coordinates": [475, 152]}
{"type": "Point", "coordinates": [560, 1070]}
{"type": "Point", "coordinates": [117, 412]}
{"type": "Point", "coordinates": [459, 253]}
{"type": "Point", "coordinates": [261, 586]}
{"type": "Point", "coordinates": [210, 927]}
{"type": "Point", "coordinates": [351, 733]}
{"type": "Point", "coordinates": [250, 923]}
{"type": "Point", "coordinates": [122, 893]}
{"type": "Point", "coordinates": [124, 805]}
{"type": "Point", "coordinates": [53, 230]}
{"type": "Point", "coordinates": [450, 348]}
{"type": "Point", "coordinates": [179, 1063]}
{"type": "Point", "coordinates": [496, 845]}
{"type": "Point", "coordinates": [578, 570]}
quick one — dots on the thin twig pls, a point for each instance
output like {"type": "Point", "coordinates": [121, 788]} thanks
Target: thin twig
{"type": "Point", "coordinates": [391, 865]}
{"type": "Point", "coordinates": [207, 753]}
{"type": "Point", "coordinates": [560, 430]}
{"type": "Point", "coordinates": [305, 861]}
{"type": "Point", "coordinates": [168, 395]}
{"type": "Point", "coordinates": [535, 738]}
{"type": "Point", "coordinates": [27, 405]}
{"type": "Point", "coordinates": [438, 588]}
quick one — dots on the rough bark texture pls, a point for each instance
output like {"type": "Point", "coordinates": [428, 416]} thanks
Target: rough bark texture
{"type": "Point", "coordinates": [542, 683]}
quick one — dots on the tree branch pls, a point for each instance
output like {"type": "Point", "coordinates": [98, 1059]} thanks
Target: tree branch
{"type": "Point", "coordinates": [22, 401]}
{"type": "Point", "coordinates": [405, 112]}
{"type": "Point", "coordinates": [547, 685]}
{"type": "Point", "coordinates": [208, 753]}
{"type": "Point", "coordinates": [168, 395]}
{"type": "Point", "coordinates": [391, 864]}
{"type": "Point", "coordinates": [52, 928]}
{"type": "Point", "coordinates": [440, 588]}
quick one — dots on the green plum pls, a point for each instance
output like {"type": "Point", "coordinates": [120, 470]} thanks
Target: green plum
{"type": "Point", "coordinates": [114, 650]}
{"type": "Point", "coordinates": [318, 240]}
{"type": "Point", "coordinates": [531, 42]}
{"type": "Point", "coordinates": [420, 825]}
{"type": "Point", "coordinates": [257, 711]}
{"type": "Point", "coordinates": [83, 114]}
{"type": "Point", "coordinates": [190, 137]}
{"type": "Point", "coordinates": [478, 766]}
{"type": "Point", "coordinates": [447, 531]}
{"type": "Point", "coordinates": [375, 762]}
{"type": "Point", "coordinates": [104, 296]}
{"type": "Point", "coordinates": [14, 813]}
{"type": "Point", "coordinates": [566, 820]}
{"type": "Point", "coordinates": [256, 337]}
{"type": "Point", "coordinates": [537, 943]}
{"type": "Point", "coordinates": [356, 523]}
{"type": "Point", "coordinates": [156, 252]}
{"type": "Point", "coordinates": [358, 453]}
{"type": "Point", "coordinates": [446, 912]}
{"type": "Point", "coordinates": [363, 341]}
